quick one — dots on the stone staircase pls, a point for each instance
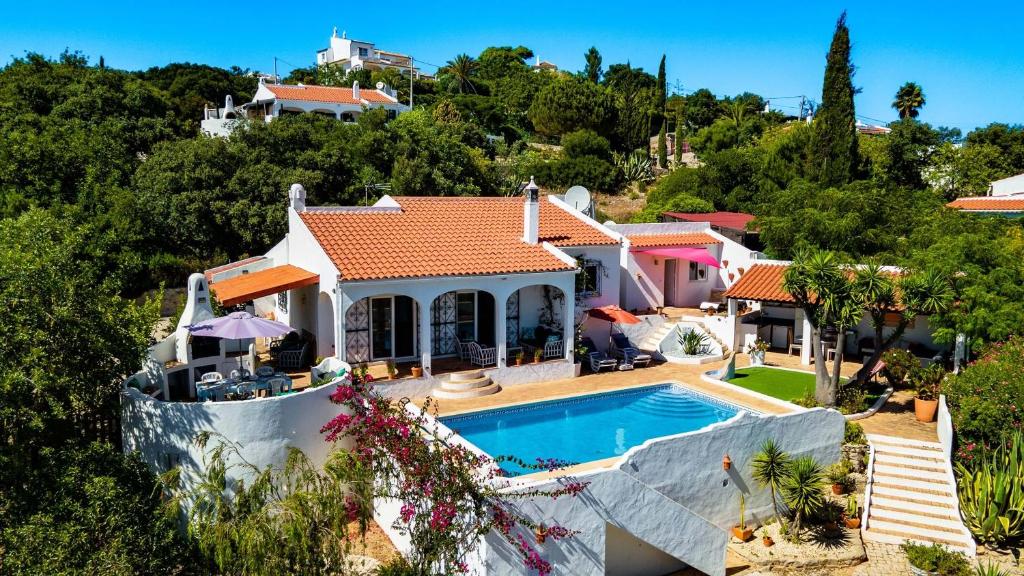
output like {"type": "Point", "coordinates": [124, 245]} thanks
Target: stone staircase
{"type": "Point", "coordinates": [654, 338]}
{"type": "Point", "coordinates": [469, 384]}
{"type": "Point", "coordinates": [911, 495]}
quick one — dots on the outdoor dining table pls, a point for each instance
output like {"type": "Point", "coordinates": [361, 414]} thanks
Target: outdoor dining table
{"type": "Point", "coordinates": [245, 387]}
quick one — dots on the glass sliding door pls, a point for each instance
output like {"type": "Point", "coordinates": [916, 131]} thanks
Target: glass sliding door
{"type": "Point", "coordinates": [465, 316]}
{"type": "Point", "coordinates": [405, 327]}
{"type": "Point", "coordinates": [381, 328]}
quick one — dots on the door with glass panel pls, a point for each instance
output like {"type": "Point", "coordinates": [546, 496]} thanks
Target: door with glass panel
{"type": "Point", "coordinates": [381, 328]}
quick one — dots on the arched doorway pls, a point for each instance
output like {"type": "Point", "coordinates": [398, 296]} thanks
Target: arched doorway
{"type": "Point", "coordinates": [462, 316]}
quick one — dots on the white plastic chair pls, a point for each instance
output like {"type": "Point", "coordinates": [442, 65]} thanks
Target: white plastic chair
{"type": "Point", "coordinates": [278, 385]}
{"type": "Point", "coordinates": [265, 371]}
{"type": "Point", "coordinates": [211, 377]}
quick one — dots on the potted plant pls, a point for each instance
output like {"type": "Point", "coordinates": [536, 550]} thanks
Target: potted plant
{"type": "Point", "coordinates": [519, 358]}
{"type": "Point", "coordinates": [741, 531]}
{"type": "Point", "coordinates": [392, 368]}
{"type": "Point", "coordinates": [540, 534]}
{"type": "Point", "coordinates": [757, 350]}
{"type": "Point", "coordinates": [926, 400]}
{"type": "Point", "coordinates": [839, 477]}
{"type": "Point", "coordinates": [417, 371]}
{"type": "Point", "coordinates": [537, 355]}
{"type": "Point", "coordinates": [852, 519]}
{"type": "Point", "coordinates": [766, 539]}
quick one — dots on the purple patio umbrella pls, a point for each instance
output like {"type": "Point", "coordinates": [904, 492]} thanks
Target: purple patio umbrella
{"type": "Point", "coordinates": [239, 325]}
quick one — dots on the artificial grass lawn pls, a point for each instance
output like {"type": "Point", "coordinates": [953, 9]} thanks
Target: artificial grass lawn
{"type": "Point", "coordinates": [782, 384]}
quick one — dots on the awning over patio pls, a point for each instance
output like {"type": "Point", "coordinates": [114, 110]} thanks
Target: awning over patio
{"type": "Point", "coordinates": [686, 253]}
{"type": "Point", "coordinates": [269, 281]}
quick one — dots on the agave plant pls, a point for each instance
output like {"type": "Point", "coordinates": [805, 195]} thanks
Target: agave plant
{"type": "Point", "coordinates": [991, 493]}
{"type": "Point", "coordinates": [693, 343]}
{"type": "Point", "coordinates": [637, 167]}
{"type": "Point", "coordinates": [803, 491]}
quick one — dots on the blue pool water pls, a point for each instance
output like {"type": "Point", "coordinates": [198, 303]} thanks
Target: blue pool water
{"type": "Point", "coordinates": [588, 428]}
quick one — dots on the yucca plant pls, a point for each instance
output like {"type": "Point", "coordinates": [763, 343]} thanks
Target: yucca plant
{"type": "Point", "coordinates": [802, 491]}
{"type": "Point", "coordinates": [989, 569]}
{"type": "Point", "coordinates": [770, 469]}
{"type": "Point", "coordinates": [636, 167]}
{"type": "Point", "coordinates": [693, 343]}
{"type": "Point", "coordinates": [991, 493]}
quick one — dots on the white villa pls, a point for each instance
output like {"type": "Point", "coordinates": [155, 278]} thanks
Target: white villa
{"type": "Point", "coordinates": [359, 55]}
{"type": "Point", "coordinates": [274, 100]}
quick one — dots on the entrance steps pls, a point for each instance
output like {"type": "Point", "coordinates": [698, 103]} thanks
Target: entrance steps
{"type": "Point", "coordinates": [912, 495]}
{"type": "Point", "coordinates": [653, 340]}
{"type": "Point", "coordinates": [469, 384]}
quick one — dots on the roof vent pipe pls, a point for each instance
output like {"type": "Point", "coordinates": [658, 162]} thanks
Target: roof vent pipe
{"type": "Point", "coordinates": [531, 213]}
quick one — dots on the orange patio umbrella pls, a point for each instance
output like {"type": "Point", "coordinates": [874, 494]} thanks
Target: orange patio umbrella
{"type": "Point", "coordinates": [614, 314]}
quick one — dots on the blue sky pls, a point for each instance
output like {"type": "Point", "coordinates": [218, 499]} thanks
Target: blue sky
{"type": "Point", "coordinates": [968, 57]}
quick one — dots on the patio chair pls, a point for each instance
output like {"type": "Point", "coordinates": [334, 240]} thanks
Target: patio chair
{"type": "Point", "coordinates": [554, 348]}
{"type": "Point", "coordinates": [328, 369]}
{"type": "Point", "coordinates": [622, 348]}
{"type": "Point", "coordinates": [598, 360]}
{"type": "Point", "coordinates": [462, 349]}
{"type": "Point", "coordinates": [479, 356]}
{"type": "Point", "coordinates": [294, 359]}
{"type": "Point", "coordinates": [240, 374]}
{"type": "Point", "coordinates": [209, 392]}
{"type": "Point", "coordinates": [279, 385]}
{"type": "Point", "coordinates": [265, 371]}
{"type": "Point", "coordinates": [796, 344]}
{"type": "Point", "coordinates": [211, 377]}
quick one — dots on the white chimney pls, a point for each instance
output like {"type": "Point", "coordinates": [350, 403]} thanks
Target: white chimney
{"type": "Point", "coordinates": [355, 90]}
{"type": "Point", "coordinates": [297, 198]}
{"type": "Point", "coordinates": [197, 309]}
{"type": "Point", "coordinates": [531, 213]}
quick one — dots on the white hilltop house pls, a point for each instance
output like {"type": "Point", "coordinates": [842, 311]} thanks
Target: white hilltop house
{"type": "Point", "coordinates": [352, 54]}
{"type": "Point", "coordinates": [274, 100]}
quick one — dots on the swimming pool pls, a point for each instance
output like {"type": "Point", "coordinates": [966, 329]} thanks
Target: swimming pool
{"type": "Point", "coordinates": [587, 428]}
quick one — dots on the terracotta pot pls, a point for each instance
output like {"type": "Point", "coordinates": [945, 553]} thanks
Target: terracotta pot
{"type": "Point", "coordinates": [577, 369]}
{"type": "Point", "coordinates": [417, 371]}
{"type": "Point", "coordinates": [852, 523]}
{"type": "Point", "coordinates": [767, 541]}
{"type": "Point", "coordinates": [831, 526]}
{"type": "Point", "coordinates": [536, 360]}
{"type": "Point", "coordinates": [743, 534]}
{"type": "Point", "coordinates": [925, 409]}
{"type": "Point", "coordinates": [838, 489]}
{"type": "Point", "coordinates": [540, 535]}
{"type": "Point", "coordinates": [519, 361]}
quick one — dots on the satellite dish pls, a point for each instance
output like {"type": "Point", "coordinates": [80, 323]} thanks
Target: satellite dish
{"type": "Point", "coordinates": [380, 85]}
{"type": "Point", "coordinates": [579, 198]}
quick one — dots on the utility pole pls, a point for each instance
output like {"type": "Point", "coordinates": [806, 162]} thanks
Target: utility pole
{"type": "Point", "coordinates": [276, 81]}
{"type": "Point", "coordinates": [800, 115]}
{"type": "Point", "coordinates": [410, 80]}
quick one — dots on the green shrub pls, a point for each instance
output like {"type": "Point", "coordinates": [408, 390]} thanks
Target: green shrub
{"type": "Point", "coordinates": [986, 399]}
{"type": "Point", "coordinates": [682, 203]}
{"type": "Point", "coordinates": [693, 343]}
{"type": "Point", "coordinates": [586, 143]}
{"type": "Point", "coordinates": [396, 567]}
{"type": "Point", "coordinates": [854, 434]}
{"type": "Point", "coordinates": [991, 493]}
{"type": "Point", "coordinates": [899, 364]}
{"type": "Point", "coordinates": [589, 171]}
{"type": "Point", "coordinates": [936, 559]}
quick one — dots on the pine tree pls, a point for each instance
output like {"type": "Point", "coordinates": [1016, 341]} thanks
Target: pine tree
{"type": "Point", "coordinates": [834, 154]}
{"type": "Point", "coordinates": [593, 68]}
{"type": "Point", "coordinates": [662, 146]}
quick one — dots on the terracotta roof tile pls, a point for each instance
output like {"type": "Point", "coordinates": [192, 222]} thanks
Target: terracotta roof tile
{"type": "Point", "coordinates": [683, 239]}
{"type": "Point", "coordinates": [331, 94]}
{"type": "Point", "coordinates": [989, 203]}
{"type": "Point", "coordinates": [762, 282]}
{"type": "Point", "coordinates": [438, 236]}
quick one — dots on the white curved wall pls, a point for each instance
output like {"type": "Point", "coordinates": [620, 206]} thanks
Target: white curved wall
{"type": "Point", "coordinates": [163, 432]}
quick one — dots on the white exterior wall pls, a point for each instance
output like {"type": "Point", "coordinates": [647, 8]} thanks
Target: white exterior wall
{"type": "Point", "coordinates": [674, 482]}
{"type": "Point", "coordinates": [264, 427]}
{"type": "Point", "coordinates": [611, 284]}
{"type": "Point", "coordinates": [305, 252]}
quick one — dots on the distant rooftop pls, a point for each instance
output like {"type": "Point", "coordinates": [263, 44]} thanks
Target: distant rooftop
{"type": "Point", "coordinates": [734, 220]}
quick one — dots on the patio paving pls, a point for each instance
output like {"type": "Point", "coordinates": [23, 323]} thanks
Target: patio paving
{"type": "Point", "coordinates": [897, 418]}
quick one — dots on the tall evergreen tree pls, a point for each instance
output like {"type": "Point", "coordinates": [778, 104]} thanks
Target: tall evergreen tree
{"type": "Point", "coordinates": [593, 68]}
{"type": "Point", "coordinates": [680, 132]}
{"type": "Point", "coordinates": [834, 153]}
{"type": "Point", "coordinates": [662, 146]}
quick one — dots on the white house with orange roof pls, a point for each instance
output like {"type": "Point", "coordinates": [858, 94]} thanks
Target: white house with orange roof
{"type": "Point", "coordinates": [414, 279]}
{"type": "Point", "coordinates": [275, 100]}
{"type": "Point", "coordinates": [350, 54]}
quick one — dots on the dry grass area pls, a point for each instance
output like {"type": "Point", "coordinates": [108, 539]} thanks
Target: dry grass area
{"type": "Point", "coordinates": [619, 207]}
{"type": "Point", "coordinates": [374, 544]}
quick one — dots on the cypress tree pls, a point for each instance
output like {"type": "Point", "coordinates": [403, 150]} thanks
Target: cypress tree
{"type": "Point", "coordinates": [680, 131]}
{"type": "Point", "coordinates": [834, 155]}
{"type": "Point", "coordinates": [662, 96]}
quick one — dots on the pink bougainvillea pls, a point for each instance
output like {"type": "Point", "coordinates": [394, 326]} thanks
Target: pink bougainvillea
{"type": "Point", "coordinates": [450, 495]}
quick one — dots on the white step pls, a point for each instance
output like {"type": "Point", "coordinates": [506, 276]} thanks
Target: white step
{"type": "Point", "coordinates": [911, 485]}
{"type": "Point", "coordinates": [901, 462]}
{"type": "Point", "coordinates": [897, 540]}
{"type": "Point", "coordinates": [911, 507]}
{"type": "Point", "coordinates": [954, 527]}
{"type": "Point", "coordinates": [894, 441]}
{"type": "Point", "coordinates": [465, 376]}
{"type": "Point", "coordinates": [458, 385]}
{"type": "Point", "coordinates": [471, 393]}
{"type": "Point", "coordinates": [910, 452]}
{"type": "Point", "coordinates": [919, 533]}
{"type": "Point", "coordinates": [889, 471]}
{"type": "Point", "coordinates": [897, 493]}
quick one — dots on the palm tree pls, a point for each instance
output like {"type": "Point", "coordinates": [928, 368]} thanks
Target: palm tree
{"type": "Point", "coordinates": [461, 70]}
{"type": "Point", "coordinates": [771, 468]}
{"type": "Point", "coordinates": [802, 490]}
{"type": "Point", "coordinates": [909, 98]}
